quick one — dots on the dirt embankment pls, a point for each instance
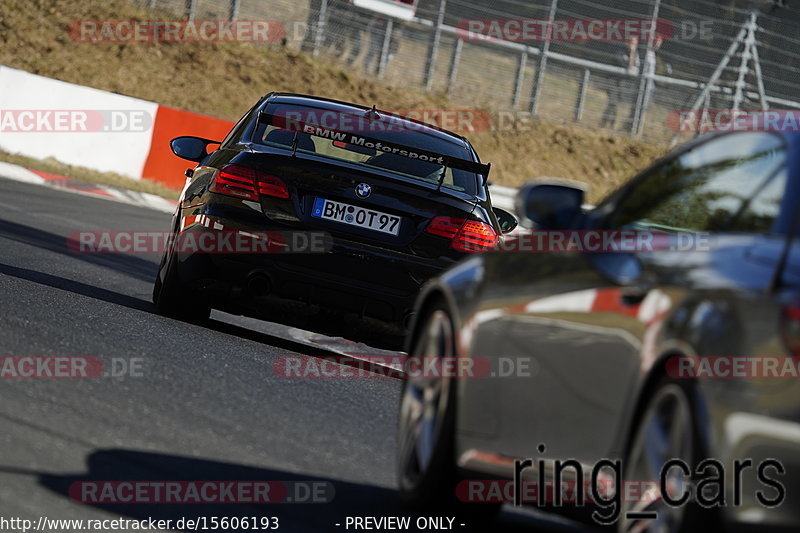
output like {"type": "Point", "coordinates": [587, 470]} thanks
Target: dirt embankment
{"type": "Point", "coordinates": [225, 79]}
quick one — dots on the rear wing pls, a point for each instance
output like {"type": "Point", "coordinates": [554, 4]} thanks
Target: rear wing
{"type": "Point", "coordinates": [356, 139]}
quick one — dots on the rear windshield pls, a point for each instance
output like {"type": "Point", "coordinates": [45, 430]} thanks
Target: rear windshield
{"type": "Point", "coordinates": [280, 132]}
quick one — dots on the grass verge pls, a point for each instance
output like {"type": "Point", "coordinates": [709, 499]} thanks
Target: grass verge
{"type": "Point", "coordinates": [88, 175]}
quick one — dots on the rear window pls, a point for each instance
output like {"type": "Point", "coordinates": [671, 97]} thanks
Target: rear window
{"type": "Point", "coordinates": [286, 120]}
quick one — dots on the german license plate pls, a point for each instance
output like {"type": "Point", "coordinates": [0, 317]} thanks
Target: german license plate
{"type": "Point", "coordinates": [356, 216]}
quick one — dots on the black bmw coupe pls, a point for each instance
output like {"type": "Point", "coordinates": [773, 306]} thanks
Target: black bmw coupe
{"type": "Point", "coordinates": [324, 215]}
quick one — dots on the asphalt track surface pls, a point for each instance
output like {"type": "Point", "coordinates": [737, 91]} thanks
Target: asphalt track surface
{"type": "Point", "coordinates": [205, 403]}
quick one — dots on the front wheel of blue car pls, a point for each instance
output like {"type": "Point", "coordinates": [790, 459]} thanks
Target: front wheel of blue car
{"type": "Point", "coordinates": [426, 464]}
{"type": "Point", "coordinates": [665, 442]}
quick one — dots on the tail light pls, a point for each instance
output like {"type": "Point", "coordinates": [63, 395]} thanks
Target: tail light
{"type": "Point", "coordinates": [465, 235]}
{"type": "Point", "coordinates": [247, 183]}
{"type": "Point", "coordinates": [790, 328]}
{"type": "Point", "coordinates": [272, 186]}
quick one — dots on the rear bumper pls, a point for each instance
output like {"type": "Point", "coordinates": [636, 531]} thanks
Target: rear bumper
{"type": "Point", "coordinates": [351, 278]}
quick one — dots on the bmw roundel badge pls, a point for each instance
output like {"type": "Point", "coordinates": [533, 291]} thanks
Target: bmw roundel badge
{"type": "Point", "coordinates": [363, 190]}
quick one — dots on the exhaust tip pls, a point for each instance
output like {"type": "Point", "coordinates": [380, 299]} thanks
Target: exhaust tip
{"type": "Point", "coordinates": [258, 285]}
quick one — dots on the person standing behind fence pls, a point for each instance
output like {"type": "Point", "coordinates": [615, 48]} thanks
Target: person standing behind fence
{"type": "Point", "coordinates": [344, 27]}
{"type": "Point", "coordinates": [376, 33]}
{"type": "Point", "coordinates": [343, 22]}
{"type": "Point", "coordinates": [621, 88]}
{"type": "Point", "coordinates": [649, 71]}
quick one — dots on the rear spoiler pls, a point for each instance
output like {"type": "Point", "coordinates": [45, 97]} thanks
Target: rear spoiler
{"type": "Point", "coordinates": [379, 145]}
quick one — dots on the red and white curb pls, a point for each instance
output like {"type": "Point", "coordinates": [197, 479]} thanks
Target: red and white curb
{"type": "Point", "coordinates": [37, 177]}
{"type": "Point", "coordinates": [381, 358]}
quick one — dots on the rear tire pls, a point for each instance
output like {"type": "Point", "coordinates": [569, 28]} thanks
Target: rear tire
{"type": "Point", "coordinates": [666, 429]}
{"type": "Point", "coordinates": [426, 465]}
{"type": "Point", "coordinates": [169, 294]}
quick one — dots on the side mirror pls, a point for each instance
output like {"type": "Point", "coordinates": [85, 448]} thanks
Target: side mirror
{"type": "Point", "coordinates": [621, 268]}
{"type": "Point", "coordinates": [550, 203]}
{"type": "Point", "coordinates": [506, 220]}
{"type": "Point", "coordinates": [191, 148]}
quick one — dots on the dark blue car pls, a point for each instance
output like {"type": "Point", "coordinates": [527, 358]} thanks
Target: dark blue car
{"type": "Point", "coordinates": [671, 362]}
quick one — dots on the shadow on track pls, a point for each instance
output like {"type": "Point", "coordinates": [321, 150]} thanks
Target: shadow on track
{"type": "Point", "coordinates": [127, 465]}
{"type": "Point", "coordinates": [349, 499]}
{"type": "Point", "coordinates": [136, 267]}
{"type": "Point", "coordinates": [77, 287]}
{"type": "Point", "coordinates": [138, 304]}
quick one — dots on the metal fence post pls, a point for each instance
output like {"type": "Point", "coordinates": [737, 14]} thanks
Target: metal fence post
{"type": "Point", "coordinates": [191, 9]}
{"type": "Point", "coordinates": [705, 94]}
{"type": "Point", "coordinates": [744, 65]}
{"type": "Point", "coordinates": [723, 64]}
{"type": "Point", "coordinates": [434, 49]}
{"type": "Point", "coordinates": [645, 81]}
{"type": "Point", "coordinates": [537, 82]}
{"type": "Point", "coordinates": [762, 92]}
{"type": "Point", "coordinates": [387, 41]}
{"type": "Point", "coordinates": [323, 15]}
{"type": "Point", "coordinates": [233, 14]}
{"type": "Point", "coordinates": [582, 95]}
{"type": "Point", "coordinates": [451, 76]}
{"type": "Point", "coordinates": [523, 60]}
